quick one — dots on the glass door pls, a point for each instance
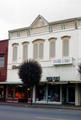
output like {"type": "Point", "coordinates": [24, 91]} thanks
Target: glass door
{"type": "Point", "coordinates": [64, 94]}
{"type": "Point", "coordinates": [71, 94]}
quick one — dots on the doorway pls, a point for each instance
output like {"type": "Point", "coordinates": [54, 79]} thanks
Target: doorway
{"type": "Point", "coordinates": [68, 94]}
{"type": "Point", "coordinates": [71, 94]}
{"type": "Point", "coordinates": [64, 94]}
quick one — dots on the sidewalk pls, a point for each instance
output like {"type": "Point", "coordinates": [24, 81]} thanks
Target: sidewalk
{"type": "Point", "coordinates": [50, 106]}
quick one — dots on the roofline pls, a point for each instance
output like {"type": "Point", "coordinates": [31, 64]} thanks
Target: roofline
{"type": "Point", "coordinates": [39, 16]}
{"type": "Point", "coordinates": [4, 40]}
{"type": "Point", "coordinates": [65, 20]}
{"type": "Point", "coordinates": [50, 23]}
{"type": "Point", "coordinates": [15, 30]}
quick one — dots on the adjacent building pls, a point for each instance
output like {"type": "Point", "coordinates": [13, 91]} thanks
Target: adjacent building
{"type": "Point", "coordinates": [3, 68]}
{"type": "Point", "coordinates": [56, 46]}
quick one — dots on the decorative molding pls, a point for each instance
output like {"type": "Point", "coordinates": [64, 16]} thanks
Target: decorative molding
{"type": "Point", "coordinates": [65, 37]}
{"type": "Point", "coordinates": [15, 44]}
{"type": "Point", "coordinates": [38, 40]}
{"type": "Point", "coordinates": [25, 42]}
{"type": "Point", "coordinates": [52, 38]}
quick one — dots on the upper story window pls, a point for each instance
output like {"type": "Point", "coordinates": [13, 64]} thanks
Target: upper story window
{"type": "Point", "coordinates": [25, 51]}
{"type": "Point", "coordinates": [2, 61]}
{"type": "Point", "coordinates": [18, 34]}
{"type": "Point", "coordinates": [65, 46]}
{"type": "Point", "coordinates": [62, 26]}
{"type": "Point", "coordinates": [52, 45]}
{"type": "Point", "coordinates": [38, 49]}
{"type": "Point", "coordinates": [15, 52]}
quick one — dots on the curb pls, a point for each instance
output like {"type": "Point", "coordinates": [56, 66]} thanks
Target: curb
{"type": "Point", "coordinates": [42, 106]}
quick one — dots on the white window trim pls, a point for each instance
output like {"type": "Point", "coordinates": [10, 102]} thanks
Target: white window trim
{"type": "Point", "coordinates": [38, 42]}
{"type": "Point", "coordinates": [53, 39]}
{"type": "Point", "coordinates": [14, 45]}
{"type": "Point", "coordinates": [65, 38]}
{"type": "Point", "coordinates": [24, 43]}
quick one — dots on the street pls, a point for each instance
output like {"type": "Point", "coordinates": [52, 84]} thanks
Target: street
{"type": "Point", "coordinates": [26, 113]}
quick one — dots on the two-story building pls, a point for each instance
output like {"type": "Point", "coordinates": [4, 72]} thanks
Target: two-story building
{"type": "Point", "coordinates": [3, 68]}
{"type": "Point", "coordinates": [56, 46]}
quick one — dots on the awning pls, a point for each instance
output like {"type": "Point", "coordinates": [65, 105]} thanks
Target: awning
{"type": "Point", "coordinates": [7, 83]}
{"type": "Point", "coordinates": [61, 82]}
{"type": "Point", "coordinates": [54, 82]}
{"type": "Point", "coordinates": [75, 81]}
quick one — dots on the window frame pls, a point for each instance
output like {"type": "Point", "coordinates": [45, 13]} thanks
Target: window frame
{"type": "Point", "coordinates": [2, 65]}
{"type": "Point", "coordinates": [52, 40]}
{"type": "Point", "coordinates": [40, 55]}
{"type": "Point", "coordinates": [15, 57]}
{"type": "Point", "coordinates": [23, 50]}
{"type": "Point", "coordinates": [65, 39]}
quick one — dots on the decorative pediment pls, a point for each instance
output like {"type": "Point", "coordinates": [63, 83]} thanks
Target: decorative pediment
{"type": "Point", "coordinates": [39, 22]}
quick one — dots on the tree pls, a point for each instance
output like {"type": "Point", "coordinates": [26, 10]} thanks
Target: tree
{"type": "Point", "coordinates": [30, 73]}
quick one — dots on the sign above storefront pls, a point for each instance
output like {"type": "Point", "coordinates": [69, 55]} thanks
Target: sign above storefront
{"type": "Point", "coordinates": [51, 79]}
{"type": "Point", "coordinates": [15, 67]}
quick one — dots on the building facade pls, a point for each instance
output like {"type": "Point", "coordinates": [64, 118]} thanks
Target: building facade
{"type": "Point", "coordinates": [56, 46]}
{"type": "Point", "coordinates": [3, 68]}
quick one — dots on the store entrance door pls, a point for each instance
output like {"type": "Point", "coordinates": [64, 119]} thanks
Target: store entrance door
{"type": "Point", "coordinates": [71, 94]}
{"type": "Point", "coordinates": [64, 94]}
{"type": "Point", "coordinates": [68, 94]}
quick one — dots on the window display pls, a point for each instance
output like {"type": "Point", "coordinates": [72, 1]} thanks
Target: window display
{"type": "Point", "coordinates": [53, 93]}
{"type": "Point", "coordinates": [48, 93]}
{"type": "Point", "coordinates": [41, 93]}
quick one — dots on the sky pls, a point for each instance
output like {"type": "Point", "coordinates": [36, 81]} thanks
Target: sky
{"type": "Point", "coordinates": [21, 13]}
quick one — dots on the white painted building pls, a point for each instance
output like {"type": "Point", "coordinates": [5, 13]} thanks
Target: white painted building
{"type": "Point", "coordinates": [56, 46]}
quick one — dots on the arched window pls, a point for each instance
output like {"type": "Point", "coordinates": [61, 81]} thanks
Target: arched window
{"type": "Point", "coordinates": [25, 51]}
{"type": "Point", "coordinates": [65, 46]}
{"type": "Point", "coordinates": [52, 47]}
{"type": "Point", "coordinates": [38, 49]}
{"type": "Point", "coordinates": [15, 51]}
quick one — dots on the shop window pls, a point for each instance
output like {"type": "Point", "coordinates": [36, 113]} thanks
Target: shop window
{"type": "Point", "coordinates": [41, 93]}
{"type": "Point", "coordinates": [19, 92]}
{"type": "Point", "coordinates": [22, 93]}
{"type": "Point", "coordinates": [11, 92]}
{"type": "Point", "coordinates": [1, 92]}
{"type": "Point", "coordinates": [53, 93]}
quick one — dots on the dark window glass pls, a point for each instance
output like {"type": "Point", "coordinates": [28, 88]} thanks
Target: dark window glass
{"type": "Point", "coordinates": [2, 60]}
{"type": "Point", "coordinates": [53, 93]}
{"type": "Point", "coordinates": [41, 93]}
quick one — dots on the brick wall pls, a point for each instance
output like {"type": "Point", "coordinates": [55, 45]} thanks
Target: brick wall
{"type": "Point", "coordinates": [4, 51]}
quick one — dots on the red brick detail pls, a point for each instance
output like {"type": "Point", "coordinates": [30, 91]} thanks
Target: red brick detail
{"type": "Point", "coordinates": [4, 50]}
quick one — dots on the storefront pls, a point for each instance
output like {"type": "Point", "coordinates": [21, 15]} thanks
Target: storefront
{"type": "Point", "coordinates": [2, 93]}
{"type": "Point", "coordinates": [68, 94]}
{"type": "Point", "coordinates": [48, 93]}
{"type": "Point", "coordinates": [55, 93]}
{"type": "Point", "coordinates": [45, 93]}
{"type": "Point", "coordinates": [16, 93]}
